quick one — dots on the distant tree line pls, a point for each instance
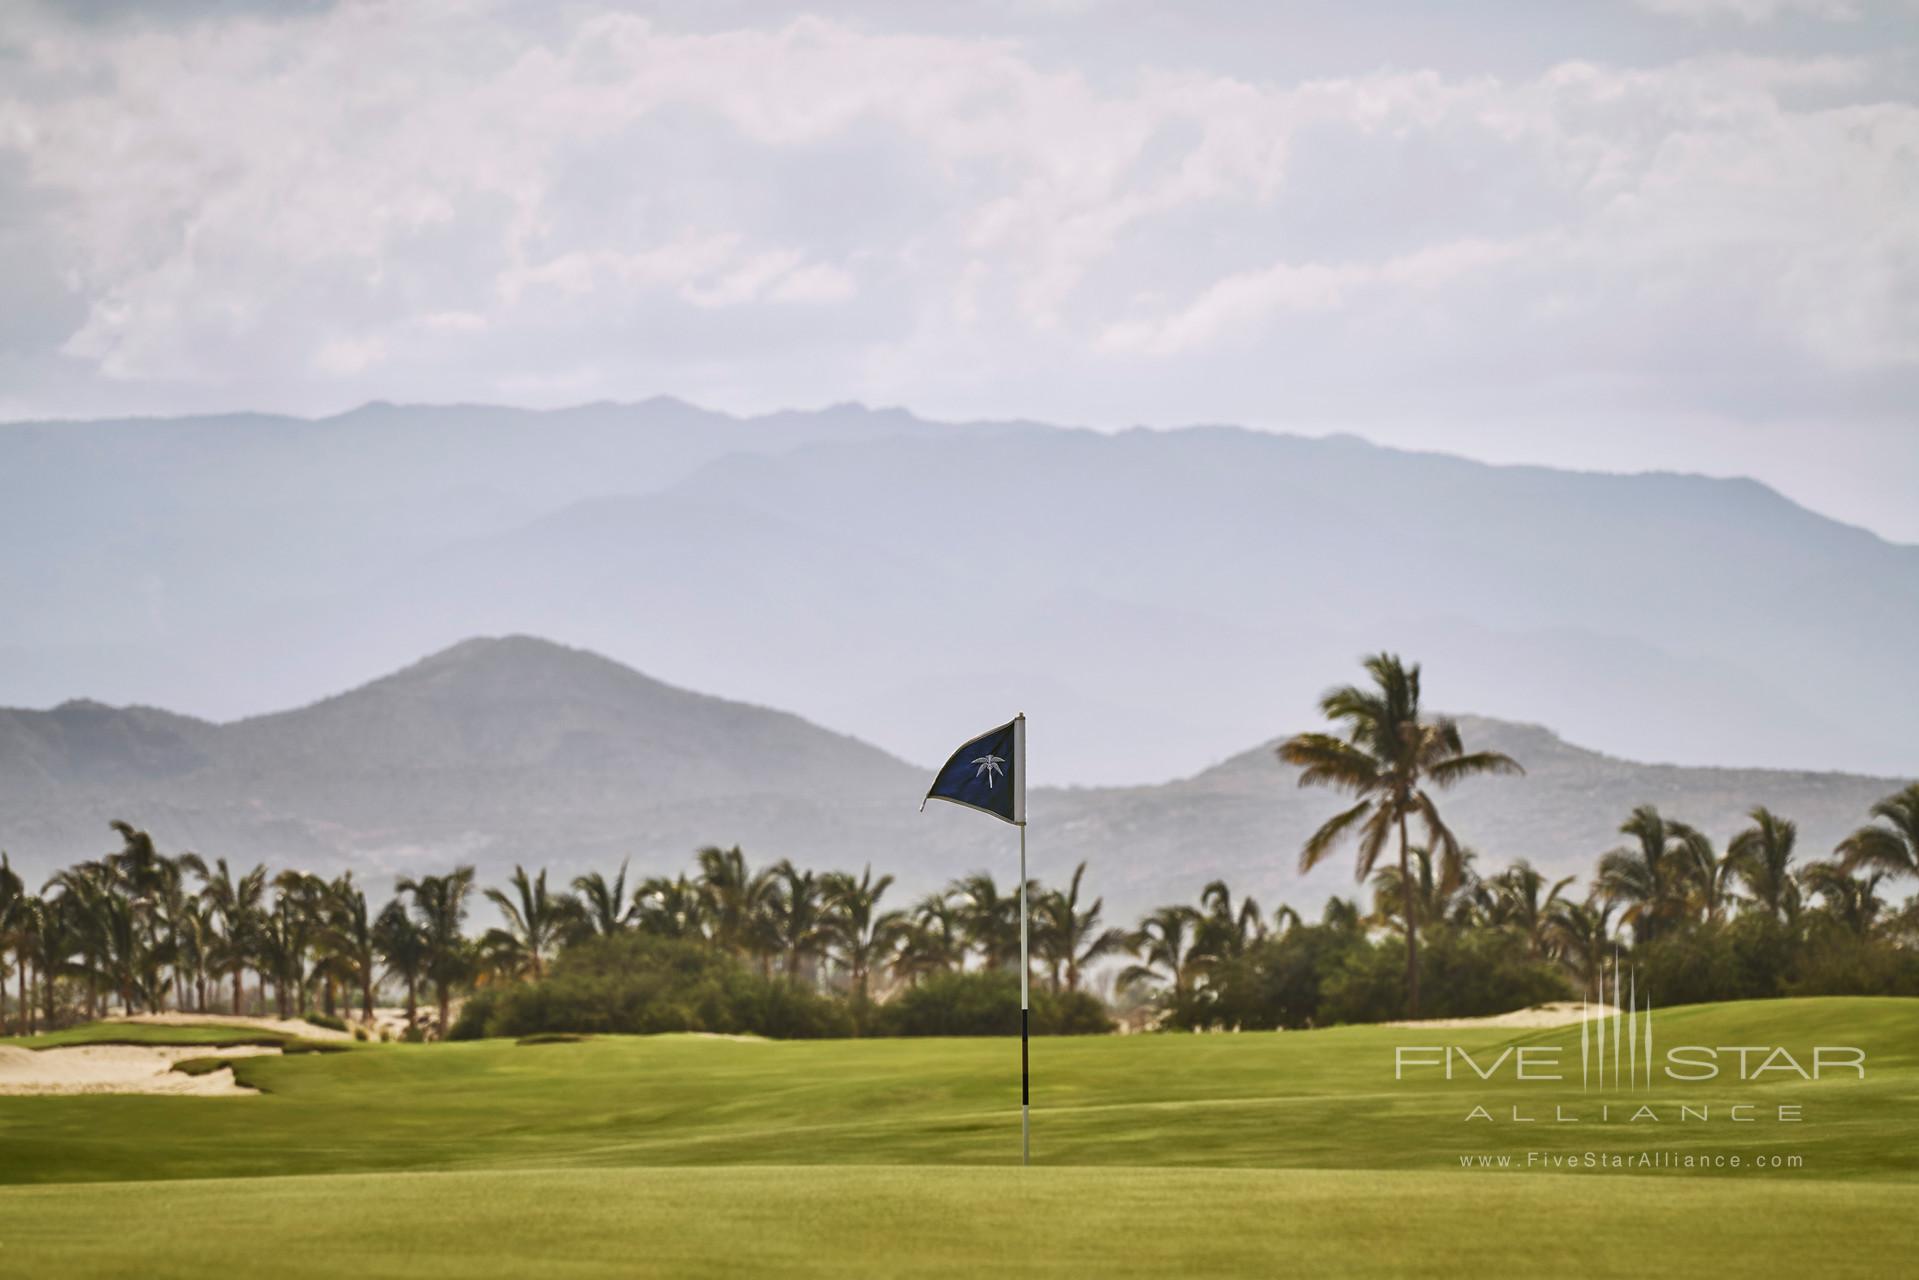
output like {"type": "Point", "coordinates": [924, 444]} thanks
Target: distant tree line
{"type": "Point", "coordinates": [781, 947]}
{"type": "Point", "coordinates": [784, 950]}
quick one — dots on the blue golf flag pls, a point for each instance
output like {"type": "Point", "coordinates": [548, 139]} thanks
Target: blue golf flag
{"type": "Point", "coordinates": [988, 774]}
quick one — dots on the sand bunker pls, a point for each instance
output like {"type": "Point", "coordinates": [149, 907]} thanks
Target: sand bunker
{"type": "Point", "coordinates": [119, 1068]}
{"type": "Point", "coordinates": [1561, 1013]}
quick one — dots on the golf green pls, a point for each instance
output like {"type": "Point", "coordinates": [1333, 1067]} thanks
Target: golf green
{"type": "Point", "coordinates": [1325, 1151]}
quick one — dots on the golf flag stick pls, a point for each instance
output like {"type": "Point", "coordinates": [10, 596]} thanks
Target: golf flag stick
{"type": "Point", "coordinates": [978, 776]}
{"type": "Point", "coordinates": [1025, 963]}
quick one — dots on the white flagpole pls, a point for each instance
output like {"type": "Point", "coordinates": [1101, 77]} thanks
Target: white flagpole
{"type": "Point", "coordinates": [1025, 965]}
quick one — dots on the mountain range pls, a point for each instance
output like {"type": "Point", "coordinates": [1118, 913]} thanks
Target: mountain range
{"type": "Point", "coordinates": [1154, 600]}
{"type": "Point", "coordinates": [497, 751]}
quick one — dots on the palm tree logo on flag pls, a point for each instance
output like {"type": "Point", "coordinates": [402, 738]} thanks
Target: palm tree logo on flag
{"type": "Point", "coordinates": [988, 766]}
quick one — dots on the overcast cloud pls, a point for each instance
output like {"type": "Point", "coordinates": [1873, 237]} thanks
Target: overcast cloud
{"type": "Point", "coordinates": [1667, 233]}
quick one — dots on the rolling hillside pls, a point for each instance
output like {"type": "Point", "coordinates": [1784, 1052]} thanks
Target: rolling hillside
{"type": "Point", "coordinates": [1155, 599]}
{"type": "Point", "coordinates": [517, 749]}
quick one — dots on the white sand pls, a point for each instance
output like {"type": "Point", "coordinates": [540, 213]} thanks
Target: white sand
{"type": "Point", "coordinates": [1561, 1013]}
{"type": "Point", "coordinates": [281, 1026]}
{"type": "Point", "coordinates": [119, 1068]}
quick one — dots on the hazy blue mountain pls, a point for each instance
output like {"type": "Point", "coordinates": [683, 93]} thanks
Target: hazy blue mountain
{"type": "Point", "coordinates": [1153, 599]}
{"type": "Point", "coordinates": [519, 750]}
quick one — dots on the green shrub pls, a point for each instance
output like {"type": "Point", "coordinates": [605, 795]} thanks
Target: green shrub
{"type": "Point", "coordinates": [1463, 973]}
{"type": "Point", "coordinates": [326, 1020]}
{"type": "Point", "coordinates": [636, 985]}
{"type": "Point", "coordinates": [986, 1004]}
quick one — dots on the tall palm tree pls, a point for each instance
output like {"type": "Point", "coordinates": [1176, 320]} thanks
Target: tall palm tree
{"type": "Point", "coordinates": [403, 945]}
{"type": "Point", "coordinates": [862, 935]}
{"type": "Point", "coordinates": [1850, 901]}
{"type": "Point", "coordinates": [604, 910]}
{"type": "Point", "coordinates": [989, 919]}
{"type": "Point", "coordinates": [1070, 939]}
{"type": "Point", "coordinates": [931, 942]}
{"type": "Point", "coordinates": [13, 894]}
{"type": "Point", "coordinates": [353, 942]}
{"type": "Point", "coordinates": [236, 903]}
{"type": "Point", "coordinates": [1582, 936]}
{"type": "Point", "coordinates": [439, 904]}
{"type": "Point", "coordinates": [1164, 945]}
{"type": "Point", "coordinates": [1225, 931]}
{"type": "Point", "coordinates": [54, 940]}
{"type": "Point", "coordinates": [670, 908]}
{"type": "Point", "coordinates": [1761, 856]}
{"type": "Point", "coordinates": [1892, 848]}
{"type": "Point", "coordinates": [1657, 877]}
{"type": "Point", "coordinates": [535, 923]}
{"type": "Point", "coordinates": [798, 911]}
{"type": "Point", "coordinates": [1387, 756]}
{"type": "Point", "coordinates": [1524, 902]}
{"type": "Point", "coordinates": [739, 903]}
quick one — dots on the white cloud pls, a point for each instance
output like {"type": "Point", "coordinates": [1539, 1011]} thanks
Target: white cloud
{"type": "Point", "coordinates": [442, 201]}
{"type": "Point", "coordinates": [1752, 11]}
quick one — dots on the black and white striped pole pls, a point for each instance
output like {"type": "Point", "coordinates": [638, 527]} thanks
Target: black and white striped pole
{"type": "Point", "coordinates": [1025, 962]}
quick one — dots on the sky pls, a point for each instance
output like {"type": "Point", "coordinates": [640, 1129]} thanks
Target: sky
{"type": "Point", "coordinates": [1645, 234]}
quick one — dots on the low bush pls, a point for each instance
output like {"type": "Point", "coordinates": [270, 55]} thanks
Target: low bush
{"type": "Point", "coordinates": [633, 984]}
{"type": "Point", "coordinates": [986, 1004]}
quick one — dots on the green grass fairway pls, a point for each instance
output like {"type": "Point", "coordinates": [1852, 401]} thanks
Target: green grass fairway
{"type": "Point", "coordinates": [1160, 1154]}
{"type": "Point", "coordinates": [850, 1221]}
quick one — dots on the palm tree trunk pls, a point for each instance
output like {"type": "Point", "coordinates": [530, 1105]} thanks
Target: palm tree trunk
{"type": "Point", "coordinates": [238, 995]}
{"type": "Point", "coordinates": [26, 1003]}
{"type": "Point", "coordinates": [1412, 923]}
{"type": "Point", "coordinates": [366, 997]}
{"type": "Point", "coordinates": [412, 1001]}
{"type": "Point", "coordinates": [445, 1003]}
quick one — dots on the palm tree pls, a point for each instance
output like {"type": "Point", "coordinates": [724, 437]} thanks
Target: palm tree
{"type": "Point", "coordinates": [1761, 856]}
{"type": "Point", "coordinates": [1522, 900]}
{"type": "Point", "coordinates": [739, 903]}
{"type": "Point", "coordinates": [534, 924]}
{"type": "Point", "coordinates": [604, 908]}
{"type": "Point", "coordinates": [989, 921]}
{"type": "Point", "coordinates": [1582, 936]}
{"type": "Point", "coordinates": [237, 905]}
{"type": "Point", "coordinates": [670, 908]}
{"type": "Point", "coordinates": [1850, 902]}
{"type": "Point", "coordinates": [798, 916]}
{"type": "Point", "coordinates": [1893, 848]}
{"type": "Point", "coordinates": [13, 894]}
{"type": "Point", "coordinates": [1226, 932]}
{"type": "Point", "coordinates": [1387, 757]}
{"type": "Point", "coordinates": [1164, 944]}
{"type": "Point", "coordinates": [352, 940]}
{"type": "Point", "coordinates": [403, 943]}
{"type": "Point", "coordinates": [931, 942]}
{"type": "Point", "coordinates": [1658, 876]}
{"type": "Point", "coordinates": [1071, 939]}
{"type": "Point", "coordinates": [439, 903]}
{"type": "Point", "coordinates": [53, 935]}
{"type": "Point", "coordinates": [1423, 897]}
{"type": "Point", "coordinates": [861, 934]}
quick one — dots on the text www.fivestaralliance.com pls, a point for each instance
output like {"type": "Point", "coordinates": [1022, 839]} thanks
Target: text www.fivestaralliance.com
{"type": "Point", "coordinates": [1633, 1161]}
